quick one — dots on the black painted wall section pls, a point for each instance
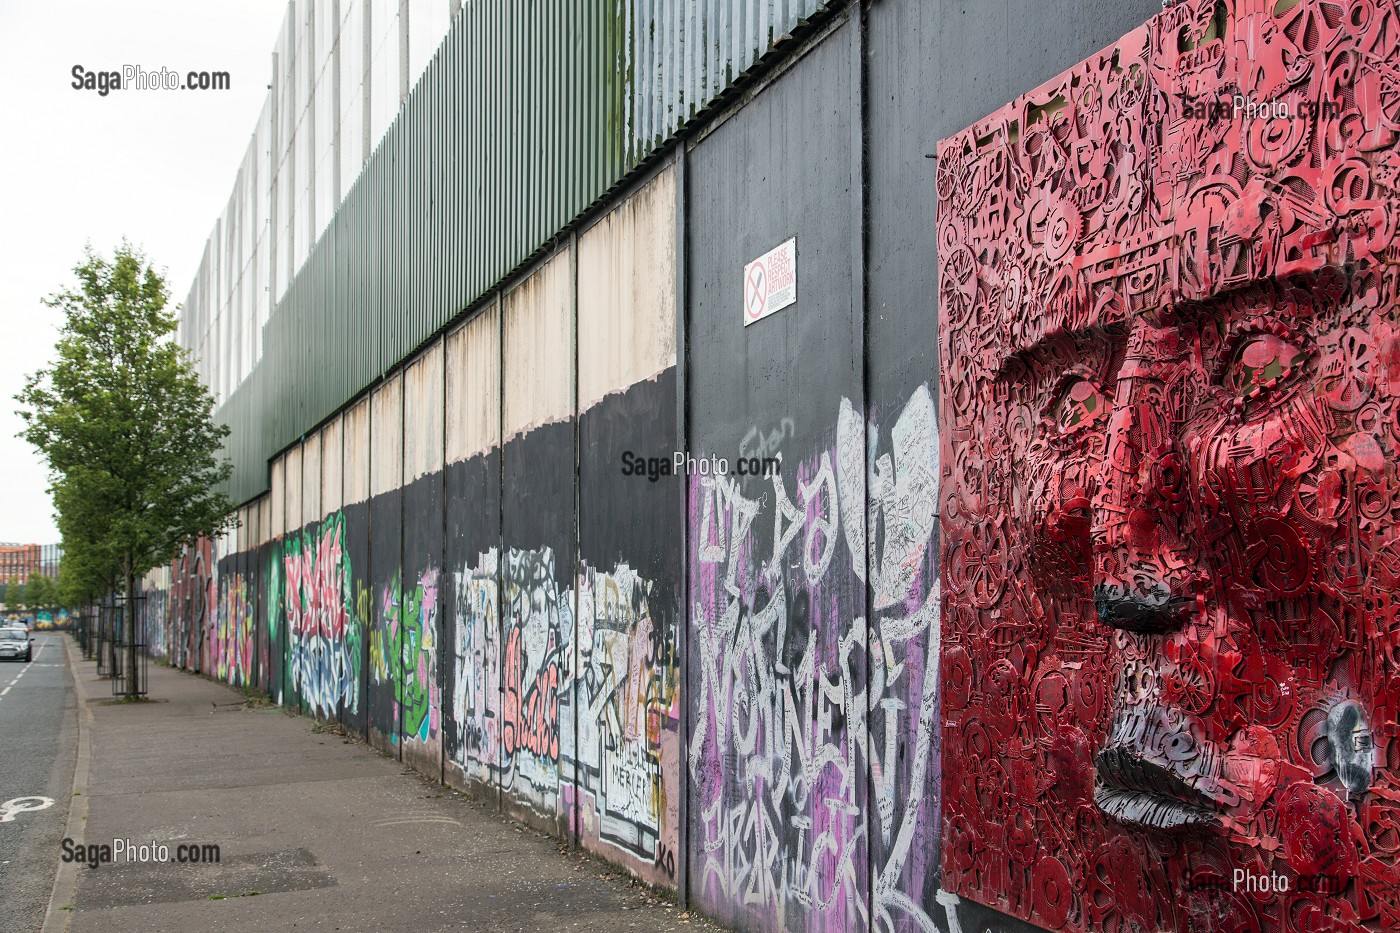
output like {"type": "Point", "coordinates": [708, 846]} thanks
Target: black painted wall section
{"type": "Point", "coordinates": [538, 490]}
{"type": "Point", "coordinates": [786, 165]}
{"type": "Point", "coordinates": [627, 665]}
{"type": "Point", "coordinates": [471, 733]}
{"type": "Point", "coordinates": [537, 569]}
{"type": "Point", "coordinates": [386, 584]}
{"type": "Point", "coordinates": [420, 715]}
{"type": "Point", "coordinates": [247, 571]}
{"type": "Point", "coordinates": [300, 617]}
{"type": "Point", "coordinates": [356, 544]}
{"type": "Point", "coordinates": [273, 629]}
{"type": "Point", "coordinates": [227, 568]}
{"type": "Point", "coordinates": [248, 561]}
{"type": "Point", "coordinates": [630, 518]}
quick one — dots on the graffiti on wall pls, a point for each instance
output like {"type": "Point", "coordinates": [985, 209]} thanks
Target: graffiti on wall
{"type": "Point", "coordinates": [48, 619]}
{"type": "Point", "coordinates": [798, 699]}
{"type": "Point", "coordinates": [1171, 645]}
{"type": "Point", "coordinates": [157, 622]}
{"type": "Point", "coordinates": [516, 697]}
{"type": "Point", "coordinates": [231, 642]}
{"type": "Point", "coordinates": [403, 654]}
{"type": "Point", "coordinates": [476, 659]}
{"type": "Point", "coordinates": [627, 697]}
{"type": "Point", "coordinates": [420, 695]}
{"type": "Point", "coordinates": [271, 658]}
{"type": "Point", "coordinates": [538, 619]}
{"type": "Point", "coordinates": [193, 604]}
{"type": "Point", "coordinates": [508, 679]}
{"type": "Point", "coordinates": [324, 608]}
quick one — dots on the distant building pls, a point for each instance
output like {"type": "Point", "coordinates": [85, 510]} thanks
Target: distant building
{"type": "Point", "coordinates": [21, 560]}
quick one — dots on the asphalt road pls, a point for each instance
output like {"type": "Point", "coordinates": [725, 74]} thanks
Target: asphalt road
{"type": "Point", "coordinates": [38, 735]}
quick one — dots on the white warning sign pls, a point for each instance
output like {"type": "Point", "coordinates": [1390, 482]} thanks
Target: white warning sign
{"type": "Point", "coordinates": [770, 282]}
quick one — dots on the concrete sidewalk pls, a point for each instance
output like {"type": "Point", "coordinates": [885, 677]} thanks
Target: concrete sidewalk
{"type": "Point", "coordinates": [314, 831]}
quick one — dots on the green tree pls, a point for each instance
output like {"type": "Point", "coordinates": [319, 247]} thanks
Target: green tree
{"type": "Point", "coordinates": [38, 591]}
{"type": "Point", "coordinates": [127, 430]}
{"type": "Point", "coordinates": [31, 590]}
{"type": "Point", "coordinates": [14, 592]}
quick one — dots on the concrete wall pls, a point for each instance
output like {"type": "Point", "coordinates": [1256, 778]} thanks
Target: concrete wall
{"type": "Point", "coordinates": [471, 653]}
{"type": "Point", "coordinates": [627, 754]}
{"type": "Point", "coordinates": [779, 806]}
{"type": "Point", "coordinates": [420, 629]}
{"type": "Point", "coordinates": [385, 562]}
{"type": "Point", "coordinates": [352, 574]}
{"type": "Point", "coordinates": [728, 686]}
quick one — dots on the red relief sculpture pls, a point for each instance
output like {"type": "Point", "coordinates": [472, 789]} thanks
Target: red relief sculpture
{"type": "Point", "coordinates": [1170, 350]}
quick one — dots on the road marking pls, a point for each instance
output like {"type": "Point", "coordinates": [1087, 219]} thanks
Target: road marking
{"type": "Point", "coordinates": [12, 808]}
{"type": "Point", "coordinates": [21, 673]}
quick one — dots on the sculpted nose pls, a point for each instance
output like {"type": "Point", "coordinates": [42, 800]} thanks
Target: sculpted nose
{"type": "Point", "coordinates": [1133, 586]}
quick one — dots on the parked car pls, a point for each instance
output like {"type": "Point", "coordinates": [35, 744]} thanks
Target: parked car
{"type": "Point", "coordinates": [15, 642]}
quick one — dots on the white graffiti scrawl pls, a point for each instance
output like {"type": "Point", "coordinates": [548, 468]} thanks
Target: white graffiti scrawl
{"type": "Point", "coordinates": [799, 700]}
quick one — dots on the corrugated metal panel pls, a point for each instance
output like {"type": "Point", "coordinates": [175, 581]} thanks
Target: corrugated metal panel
{"type": "Point", "coordinates": [525, 116]}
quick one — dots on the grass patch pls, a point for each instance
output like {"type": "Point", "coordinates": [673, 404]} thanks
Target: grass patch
{"type": "Point", "coordinates": [255, 697]}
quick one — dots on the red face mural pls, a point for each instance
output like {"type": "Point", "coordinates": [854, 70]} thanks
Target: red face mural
{"type": "Point", "coordinates": [1170, 353]}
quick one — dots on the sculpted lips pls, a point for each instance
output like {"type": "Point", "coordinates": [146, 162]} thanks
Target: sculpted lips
{"type": "Point", "coordinates": [1153, 611]}
{"type": "Point", "coordinates": [1133, 790]}
{"type": "Point", "coordinates": [1153, 773]}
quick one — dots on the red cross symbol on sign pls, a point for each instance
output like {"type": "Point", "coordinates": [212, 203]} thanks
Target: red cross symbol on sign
{"type": "Point", "coordinates": [756, 291]}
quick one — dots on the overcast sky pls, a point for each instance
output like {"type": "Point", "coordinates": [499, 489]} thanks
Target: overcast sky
{"type": "Point", "coordinates": [155, 167]}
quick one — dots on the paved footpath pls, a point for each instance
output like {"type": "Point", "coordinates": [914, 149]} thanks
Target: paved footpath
{"type": "Point", "coordinates": [315, 832]}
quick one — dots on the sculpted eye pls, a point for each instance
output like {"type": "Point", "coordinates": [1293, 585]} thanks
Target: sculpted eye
{"type": "Point", "coordinates": [1080, 406]}
{"type": "Point", "coordinates": [1262, 363]}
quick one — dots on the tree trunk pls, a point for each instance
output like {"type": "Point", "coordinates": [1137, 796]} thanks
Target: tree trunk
{"type": "Point", "coordinates": [112, 632]}
{"type": "Point", "coordinates": [132, 687]}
